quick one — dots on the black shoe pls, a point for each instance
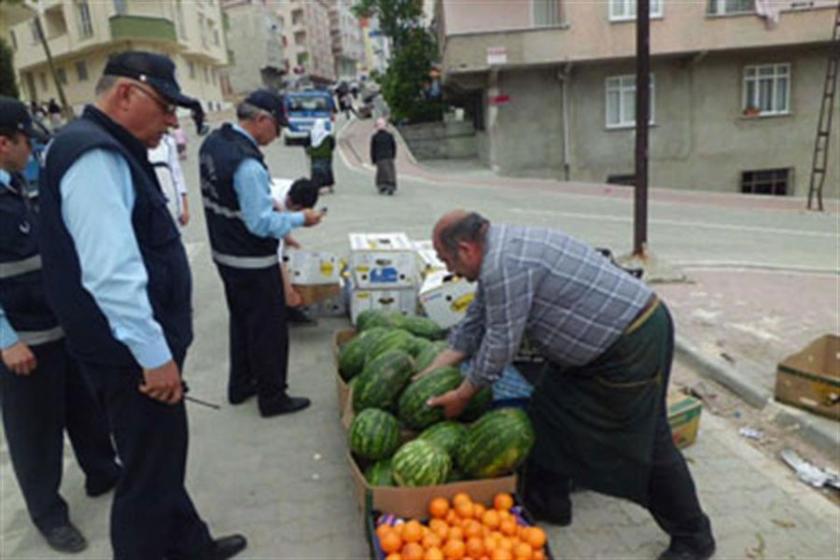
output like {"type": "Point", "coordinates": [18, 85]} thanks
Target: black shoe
{"type": "Point", "coordinates": [295, 316]}
{"type": "Point", "coordinates": [65, 538]}
{"type": "Point", "coordinates": [227, 547]}
{"type": "Point", "coordinates": [241, 397]}
{"type": "Point", "coordinates": [96, 488]}
{"type": "Point", "coordinates": [283, 405]}
{"type": "Point", "coordinates": [679, 550]}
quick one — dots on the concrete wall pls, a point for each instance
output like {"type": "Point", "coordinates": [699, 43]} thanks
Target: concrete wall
{"type": "Point", "coordinates": [249, 37]}
{"type": "Point", "coordinates": [444, 140]}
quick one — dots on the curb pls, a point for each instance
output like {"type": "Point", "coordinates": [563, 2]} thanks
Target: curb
{"type": "Point", "coordinates": [820, 432]}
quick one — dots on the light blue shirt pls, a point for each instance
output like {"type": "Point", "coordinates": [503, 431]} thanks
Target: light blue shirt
{"type": "Point", "coordinates": [8, 336]}
{"type": "Point", "coordinates": [97, 198]}
{"type": "Point", "coordinates": [253, 191]}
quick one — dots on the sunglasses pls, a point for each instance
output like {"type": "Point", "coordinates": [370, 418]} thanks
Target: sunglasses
{"type": "Point", "coordinates": [166, 107]}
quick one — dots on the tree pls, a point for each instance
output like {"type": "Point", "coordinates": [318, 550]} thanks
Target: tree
{"type": "Point", "coordinates": [396, 17]}
{"type": "Point", "coordinates": [8, 84]}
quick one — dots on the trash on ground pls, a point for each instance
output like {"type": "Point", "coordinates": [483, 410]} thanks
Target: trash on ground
{"type": "Point", "coordinates": [810, 473]}
{"type": "Point", "coordinates": [784, 524]}
{"type": "Point", "coordinates": [756, 552]}
{"type": "Point", "coordinates": [751, 433]}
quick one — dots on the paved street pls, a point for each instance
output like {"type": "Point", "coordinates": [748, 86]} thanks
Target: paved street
{"type": "Point", "coordinates": [284, 482]}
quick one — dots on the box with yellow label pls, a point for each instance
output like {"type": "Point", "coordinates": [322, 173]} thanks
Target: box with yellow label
{"type": "Point", "coordinates": [445, 298]}
{"type": "Point", "coordinates": [308, 268]}
{"type": "Point", "coordinates": [403, 300]}
{"type": "Point", "coordinates": [382, 261]}
{"type": "Point", "coordinates": [683, 417]}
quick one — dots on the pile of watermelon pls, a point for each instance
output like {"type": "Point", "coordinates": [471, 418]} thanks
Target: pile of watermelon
{"type": "Point", "coordinates": [403, 440]}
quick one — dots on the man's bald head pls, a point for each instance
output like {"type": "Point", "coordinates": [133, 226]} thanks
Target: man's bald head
{"type": "Point", "coordinates": [447, 220]}
{"type": "Point", "coordinates": [458, 238]}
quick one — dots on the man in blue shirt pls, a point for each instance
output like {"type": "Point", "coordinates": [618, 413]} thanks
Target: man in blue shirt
{"type": "Point", "coordinates": [118, 278]}
{"type": "Point", "coordinates": [244, 229]}
{"type": "Point", "coordinates": [41, 388]}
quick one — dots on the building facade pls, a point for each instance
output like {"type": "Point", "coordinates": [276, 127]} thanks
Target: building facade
{"type": "Point", "coordinates": [735, 89]}
{"type": "Point", "coordinates": [308, 40]}
{"type": "Point", "coordinates": [254, 40]}
{"type": "Point", "coordinates": [83, 33]}
{"type": "Point", "coordinates": [347, 46]}
{"type": "Point", "coordinates": [376, 47]}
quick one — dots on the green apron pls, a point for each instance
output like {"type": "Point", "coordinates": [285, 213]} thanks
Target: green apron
{"type": "Point", "coordinates": [596, 423]}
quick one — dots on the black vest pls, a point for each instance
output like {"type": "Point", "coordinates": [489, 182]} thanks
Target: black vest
{"type": "Point", "coordinates": [169, 286]}
{"type": "Point", "coordinates": [21, 283]}
{"type": "Point", "coordinates": [220, 156]}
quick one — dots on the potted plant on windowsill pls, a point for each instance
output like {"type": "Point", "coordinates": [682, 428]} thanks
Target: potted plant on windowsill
{"type": "Point", "coordinates": [752, 111]}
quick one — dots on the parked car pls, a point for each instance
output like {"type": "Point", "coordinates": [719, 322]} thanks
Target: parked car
{"type": "Point", "coordinates": [302, 109]}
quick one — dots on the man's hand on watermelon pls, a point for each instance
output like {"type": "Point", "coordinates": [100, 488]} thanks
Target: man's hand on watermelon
{"type": "Point", "coordinates": [448, 357]}
{"type": "Point", "coordinates": [454, 402]}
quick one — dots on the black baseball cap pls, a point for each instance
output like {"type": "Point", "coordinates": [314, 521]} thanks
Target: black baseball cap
{"type": "Point", "coordinates": [15, 117]}
{"type": "Point", "coordinates": [154, 69]}
{"type": "Point", "coordinates": [269, 101]}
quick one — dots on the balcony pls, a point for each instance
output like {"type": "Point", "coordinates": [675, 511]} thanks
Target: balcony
{"type": "Point", "coordinates": [142, 27]}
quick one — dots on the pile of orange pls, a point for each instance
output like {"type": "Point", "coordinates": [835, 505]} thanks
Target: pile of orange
{"type": "Point", "coordinates": [464, 530]}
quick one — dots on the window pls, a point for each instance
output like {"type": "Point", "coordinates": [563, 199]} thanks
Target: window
{"type": "Point", "coordinates": [62, 75]}
{"type": "Point", "coordinates": [43, 77]}
{"type": "Point", "coordinates": [179, 19]}
{"type": "Point", "coordinates": [724, 7]}
{"type": "Point", "coordinates": [621, 101]}
{"type": "Point", "coordinates": [623, 10]}
{"type": "Point", "coordinates": [202, 30]}
{"type": "Point", "coordinates": [766, 90]}
{"type": "Point", "coordinates": [297, 17]}
{"type": "Point", "coordinates": [33, 32]}
{"type": "Point", "coordinates": [302, 58]}
{"type": "Point", "coordinates": [81, 71]}
{"type": "Point", "coordinates": [120, 7]}
{"type": "Point", "coordinates": [13, 38]}
{"type": "Point", "coordinates": [206, 75]}
{"type": "Point", "coordinates": [216, 39]}
{"type": "Point", "coordinates": [546, 12]}
{"type": "Point", "coordinates": [300, 37]}
{"type": "Point", "coordinates": [83, 15]}
{"type": "Point", "coordinates": [766, 181]}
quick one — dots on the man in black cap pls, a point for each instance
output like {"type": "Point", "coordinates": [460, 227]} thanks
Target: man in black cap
{"type": "Point", "coordinates": [244, 230]}
{"type": "Point", "coordinates": [118, 278]}
{"type": "Point", "coordinates": [41, 388]}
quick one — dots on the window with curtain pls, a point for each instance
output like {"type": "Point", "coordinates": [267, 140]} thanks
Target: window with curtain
{"type": "Point", "coordinates": [766, 89]}
{"type": "Point", "coordinates": [621, 101]}
{"type": "Point", "coordinates": [621, 10]}
{"type": "Point", "coordinates": [545, 12]}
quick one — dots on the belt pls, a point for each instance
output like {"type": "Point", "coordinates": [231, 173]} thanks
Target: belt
{"type": "Point", "coordinates": [247, 263]}
{"type": "Point", "coordinates": [34, 338]}
{"type": "Point", "coordinates": [16, 268]}
{"type": "Point", "coordinates": [650, 307]}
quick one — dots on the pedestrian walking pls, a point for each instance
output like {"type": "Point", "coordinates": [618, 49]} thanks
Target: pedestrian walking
{"type": "Point", "coordinates": [42, 392]}
{"type": "Point", "coordinates": [54, 110]}
{"type": "Point", "coordinates": [320, 147]}
{"type": "Point", "coordinates": [180, 141]}
{"type": "Point", "coordinates": [599, 411]}
{"type": "Point", "coordinates": [383, 151]}
{"type": "Point", "coordinates": [164, 158]}
{"type": "Point", "coordinates": [125, 302]}
{"type": "Point", "coordinates": [244, 229]}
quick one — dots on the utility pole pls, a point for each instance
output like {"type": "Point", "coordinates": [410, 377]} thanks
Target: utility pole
{"type": "Point", "coordinates": [65, 108]}
{"type": "Point", "coordinates": [640, 201]}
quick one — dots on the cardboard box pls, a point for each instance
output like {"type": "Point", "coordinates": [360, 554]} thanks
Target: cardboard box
{"type": "Point", "coordinates": [397, 299]}
{"type": "Point", "coordinates": [684, 418]}
{"type": "Point", "coordinates": [312, 294]}
{"type": "Point", "coordinates": [382, 261]}
{"type": "Point", "coordinates": [446, 297]}
{"type": "Point", "coordinates": [412, 502]}
{"type": "Point", "coordinates": [312, 267]}
{"type": "Point", "coordinates": [810, 379]}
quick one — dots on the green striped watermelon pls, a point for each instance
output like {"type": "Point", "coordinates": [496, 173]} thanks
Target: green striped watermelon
{"type": "Point", "coordinates": [372, 318]}
{"type": "Point", "coordinates": [395, 339]}
{"type": "Point", "coordinates": [353, 354]}
{"type": "Point", "coordinates": [420, 463]}
{"type": "Point", "coordinates": [380, 473]}
{"type": "Point", "coordinates": [496, 443]}
{"type": "Point", "coordinates": [427, 355]}
{"type": "Point", "coordinates": [382, 380]}
{"type": "Point", "coordinates": [413, 410]}
{"type": "Point", "coordinates": [374, 434]}
{"type": "Point", "coordinates": [478, 405]}
{"type": "Point", "coordinates": [422, 327]}
{"type": "Point", "coordinates": [448, 435]}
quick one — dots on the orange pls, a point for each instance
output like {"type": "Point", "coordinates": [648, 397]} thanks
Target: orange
{"type": "Point", "coordinates": [501, 554]}
{"type": "Point", "coordinates": [460, 497]}
{"type": "Point", "coordinates": [441, 531]}
{"type": "Point", "coordinates": [455, 534]}
{"type": "Point", "coordinates": [412, 551]}
{"type": "Point", "coordinates": [464, 509]}
{"type": "Point", "coordinates": [394, 556]}
{"type": "Point", "coordinates": [475, 547]}
{"type": "Point", "coordinates": [413, 531]}
{"type": "Point", "coordinates": [508, 527]}
{"type": "Point", "coordinates": [478, 510]}
{"type": "Point", "coordinates": [383, 529]}
{"type": "Point", "coordinates": [454, 549]}
{"type": "Point", "coordinates": [472, 528]}
{"type": "Point", "coordinates": [490, 518]}
{"type": "Point", "coordinates": [535, 537]}
{"type": "Point", "coordinates": [451, 517]}
{"type": "Point", "coordinates": [390, 543]}
{"type": "Point", "coordinates": [538, 555]}
{"type": "Point", "coordinates": [433, 553]}
{"type": "Point", "coordinates": [523, 551]}
{"type": "Point", "coordinates": [505, 543]}
{"type": "Point", "coordinates": [503, 501]}
{"type": "Point", "coordinates": [489, 544]}
{"type": "Point", "coordinates": [431, 540]}
{"type": "Point", "coordinates": [435, 523]}
{"type": "Point", "coordinates": [505, 514]}
{"type": "Point", "coordinates": [438, 508]}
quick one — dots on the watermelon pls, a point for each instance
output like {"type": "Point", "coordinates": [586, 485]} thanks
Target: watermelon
{"type": "Point", "coordinates": [422, 327]}
{"type": "Point", "coordinates": [418, 345]}
{"type": "Point", "coordinates": [382, 380]}
{"type": "Point", "coordinates": [380, 474]}
{"type": "Point", "coordinates": [478, 405]}
{"type": "Point", "coordinates": [496, 443]}
{"type": "Point", "coordinates": [395, 339]}
{"type": "Point", "coordinates": [352, 355]}
{"type": "Point", "coordinates": [420, 463]}
{"type": "Point", "coordinates": [413, 410]}
{"type": "Point", "coordinates": [428, 354]}
{"type": "Point", "coordinates": [372, 318]}
{"type": "Point", "coordinates": [447, 434]}
{"type": "Point", "coordinates": [374, 434]}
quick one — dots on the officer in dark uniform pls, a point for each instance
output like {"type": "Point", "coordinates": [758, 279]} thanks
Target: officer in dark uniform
{"type": "Point", "coordinates": [244, 229]}
{"type": "Point", "coordinates": [41, 388]}
{"type": "Point", "coordinates": [119, 281]}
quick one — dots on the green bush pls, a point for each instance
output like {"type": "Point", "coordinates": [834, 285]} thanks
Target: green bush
{"type": "Point", "coordinates": [8, 83]}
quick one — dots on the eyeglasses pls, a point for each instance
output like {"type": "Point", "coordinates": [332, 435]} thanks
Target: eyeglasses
{"type": "Point", "coordinates": [168, 108]}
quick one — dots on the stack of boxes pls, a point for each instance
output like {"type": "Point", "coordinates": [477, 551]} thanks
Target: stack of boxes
{"type": "Point", "coordinates": [383, 272]}
{"type": "Point", "coordinates": [443, 296]}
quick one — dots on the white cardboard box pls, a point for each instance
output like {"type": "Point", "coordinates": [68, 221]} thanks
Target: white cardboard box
{"type": "Point", "coordinates": [445, 298]}
{"type": "Point", "coordinates": [382, 260]}
{"type": "Point", "coordinates": [311, 267]}
{"type": "Point", "coordinates": [398, 299]}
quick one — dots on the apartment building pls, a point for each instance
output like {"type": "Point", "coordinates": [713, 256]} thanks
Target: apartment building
{"type": "Point", "coordinates": [254, 40]}
{"type": "Point", "coordinates": [376, 46]}
{"type": "Point", "coordinates": [736, 87]}
{"type": "Point", "coordinates": [82, 34]}
{"type": "Point", "coordinates": [308, 40]}
{"type": "Point", "coordinates": [347, 46]}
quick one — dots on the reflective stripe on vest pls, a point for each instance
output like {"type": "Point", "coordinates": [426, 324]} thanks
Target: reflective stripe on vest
{"type": "Point", "coordinates": [216, 208]}
{"type": "Point", "coordinates": [249, 263]}
{"type": "Point", "coordinates": [16, 268]}
{"type": "Point", "coordinates": [33, 338]}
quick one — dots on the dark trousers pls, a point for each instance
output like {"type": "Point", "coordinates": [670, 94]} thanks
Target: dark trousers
{"type": "Point", "coordinates": [259, 335]}
{"type": "Point", "coordinates": [36, 410]}
{"type": "Point", "coordinates": [152, 515]}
